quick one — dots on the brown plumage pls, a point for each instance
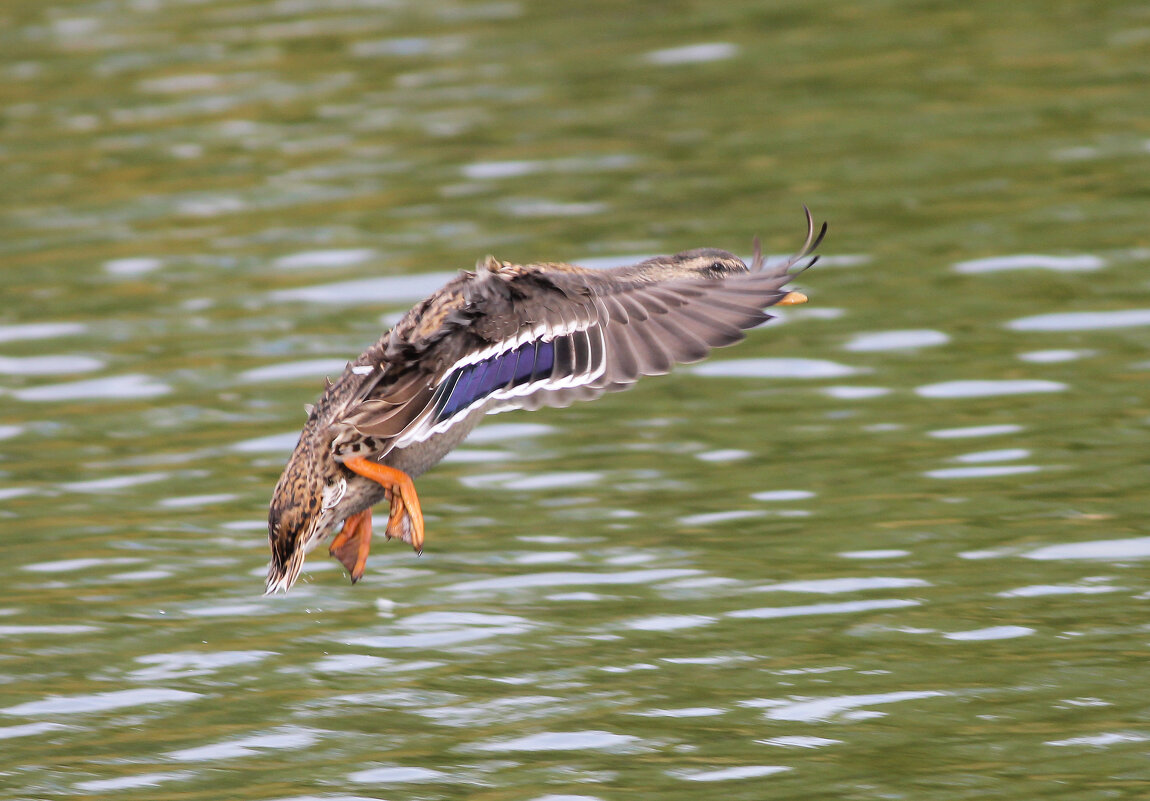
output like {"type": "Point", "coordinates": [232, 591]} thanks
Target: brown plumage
{"type": "Point", "coordinates": [504, 336]}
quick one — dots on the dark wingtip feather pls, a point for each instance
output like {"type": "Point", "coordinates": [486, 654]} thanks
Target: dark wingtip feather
{"type": "Point", "coordinates": [819, 238]}
{"type": "Point", "coordinates": [812, 242]}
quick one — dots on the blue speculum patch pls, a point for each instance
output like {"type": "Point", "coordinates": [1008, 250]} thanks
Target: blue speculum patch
{"type": "Point", "coordinates": [531, 361]}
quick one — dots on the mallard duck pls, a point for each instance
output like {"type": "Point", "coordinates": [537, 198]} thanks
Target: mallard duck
{"type": "Point", "coordinates": [506, 336]}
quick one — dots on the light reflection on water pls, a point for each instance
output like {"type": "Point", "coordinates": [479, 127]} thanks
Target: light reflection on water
{"type": "Point", "coordinates": [755, 575]}
{"type": "Point", "coordinates": [98, 702]}
{"type": "Point", "coordinates": [849, 706]}
{"type": "Point", "coordinates": [897, 340]}
{"type": "Point", "coordinates": [774, 368]}
{"type": "Point", "coordinates": [1083, 320]}
{"type": "Point", "coordinates": [993, 264]}
{"type": "Point", "coordinates": [392, 289]}
{"type": "Point", "coordinates": [987, 388]}
{"type": "Point", "coordinates": [124, 387]}
{"type": "Point", "coordinates": [40, 330]}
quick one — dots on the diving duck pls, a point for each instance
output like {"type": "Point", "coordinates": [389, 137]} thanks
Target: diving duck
{"type": "Point", "coordinates": [506, 336]}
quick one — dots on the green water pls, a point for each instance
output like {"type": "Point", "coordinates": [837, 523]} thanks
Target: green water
{"type": "Point", "coordinates": [908, 562]}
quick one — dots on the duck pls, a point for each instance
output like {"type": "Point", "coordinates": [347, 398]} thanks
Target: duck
{"type": "Point", "coordinates": [502, 336]}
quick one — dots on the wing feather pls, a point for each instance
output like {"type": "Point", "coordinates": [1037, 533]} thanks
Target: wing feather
{"type": "Point", "coordinates": [656, 359]}
{"type": "Point", "coordinates": [624, 366]}
{"type": "Point", "coordinates": [508, 337]}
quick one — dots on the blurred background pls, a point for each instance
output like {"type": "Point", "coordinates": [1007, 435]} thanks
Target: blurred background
{"type": "Point", "coordinates": [888, 547]}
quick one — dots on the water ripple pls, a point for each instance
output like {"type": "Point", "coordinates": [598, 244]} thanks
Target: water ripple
{"type": "Point", "coordinates": [983, 471]}
{"type": "Point", "coordinates": [15, 333]}
{"type": "Point", "coordinates": [834, 586]}
{"type": "Point", "coordinates": [545, 557]}
{"type": "Point", "coordinates": [1102, 740]}
{"type": "Point", "coordinates": [133, 266]}
{"type": "Point", "coordinates": [357, 663]}
{"type": "Point", "coordinates": [461, 619]}
{"type": "Point", "coordinates": [799, 741]}
{"type": "Point", "coordinates": [774, 368]}
{"type": "Point", "coordinates": [884, 553]}
{"type": "Point", "coordinates": [685, 712]}
{"type": "Point", "coordinates": [821, 709]}
{"type": "Point", "coordinates": [121, 387]}
{"type": "Point", "coordinates": [292, 370]}
{"type": "Point", "coordinates": [1082, 321]}
{"type": "Point", "coordinates": [83, 563]}
{"type": "Point", "coordinates": [990, 633]}
{"type": "Point", "coordinates": [561, 741]}
{"type": "Point", "coordinates": [131, 782]}
{"type": "Point", "coordinates": [535, 481]}
{"type": "Point", "coordinates": [1031, 261]}
{"type": "Point", "coordinates": [48, 365]}
{"type": "Point", "coordinates": [782, 495]}
{"type": "Point", "coordinates": [191, 501]}
{"type": "Point", "coordinates": [723, 455]}
{"type": "Point", "coordinates": [99, 702]}
{"type": "Point", "coordinates": [557, 579]}
{"type": "Point", "coordinates": [1041, 590]}
{"type": "Point", "coordinates": [477, 456]}
{"type": "Point", "coordinates": [324, 259]}
{"type": "Point", "coordinates": [500, 432]}
{"type": "Point", "coordinates": [988, 388]}
{"type": "Point", "coordinates": [192, 663]}
{"type": "Point", "coordinates": [709, 518]}
{"type": "Point", "coordinates": [101, 485]}
{"type": "Point", "coordinates": [1113, 550]}
{"type": "Point", "coordinates": [390, 290]}
{"type": "Point", "coordinates": [975, 431]}
{"type": "Point", "coordinates": [692, 54]}
{"type": "Point", "coordinates": [274, 443]}
{"type": "Point", "coordinates": [435, 639]}
{"type": "Point", "coordinates": [398, 774]}
{"type": "Point", "coordinates": [823, 609]}
{"type": "Point", "coordinates": [28, 729]}
{"type": "Point", "coordinates": [287, 738]}
{"type": "Point", "coordinates": [46, 628]}
{"type": "Point", "coordinates": [490, 170]}
{"type": "Point", "coordinates": [668, 622]}
{"type": "Point", "coordinates": [897, 340]}
{"type": "Point", "coordinates": [855, 393]}
{"type": "Point", "coordinates": [541, 207]}
{"type": "Point", "coordinates": [496, 711]}
{"type": "Point", "coordinates": [1001, 455]}
{"type": "Point", "coordinates": [406, 46]}
{"type": "Point", "coordinates": [729, 774]}
{"type": "Point", "coordinates": [1054, 356]}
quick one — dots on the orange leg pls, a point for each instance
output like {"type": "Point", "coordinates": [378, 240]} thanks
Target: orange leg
{"type": "Point", "coordinates": [352, 543]}
{"type": "Point", "coordinates": [406, 519]}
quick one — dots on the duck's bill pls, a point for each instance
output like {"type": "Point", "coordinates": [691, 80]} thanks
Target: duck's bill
{"type": "Point", "coordinates": [792, 299]}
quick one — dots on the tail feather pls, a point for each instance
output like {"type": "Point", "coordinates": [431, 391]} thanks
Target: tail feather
{"type": "Point", "coordinates": [281, 578]}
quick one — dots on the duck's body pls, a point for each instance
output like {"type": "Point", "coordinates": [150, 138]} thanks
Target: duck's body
{"type": "Point", "coordinates": [505, 336]}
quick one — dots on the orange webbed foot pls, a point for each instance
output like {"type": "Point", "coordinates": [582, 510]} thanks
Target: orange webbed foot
{"type": "Point", "coordinates": [405, 521]}
{"type": "Point", "coordinates": [352, 544]}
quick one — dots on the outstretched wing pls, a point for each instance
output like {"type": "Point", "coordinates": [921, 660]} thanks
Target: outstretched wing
{"type": "Point", "coordinates": [525, 337]}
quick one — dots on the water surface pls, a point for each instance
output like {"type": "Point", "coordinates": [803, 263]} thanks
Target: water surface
{"type": "Point", "coordinates": [890, 546]}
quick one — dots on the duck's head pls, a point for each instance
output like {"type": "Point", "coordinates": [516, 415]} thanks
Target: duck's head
{"type": "Point", "coordinates": [304, 508]}
{"type": "Point", "coordinates": [691, 264]}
